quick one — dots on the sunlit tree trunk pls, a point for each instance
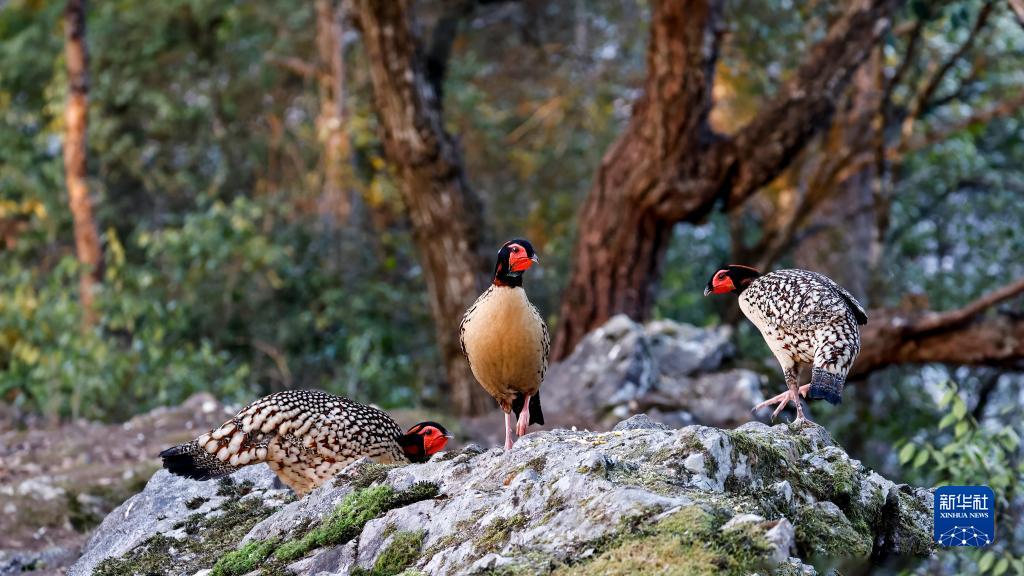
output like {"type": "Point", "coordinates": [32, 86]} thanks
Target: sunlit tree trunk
{"type": "Point", "coordinates": [335, 203]}
{"type": "Point", "coordinates": [87, 244]}
{"type": "Point", "coordinates": [445, 213]}
{"type": "Point", "coordinates": [843, 247]}
{"type": "Point", "coordinates": [669, 166]}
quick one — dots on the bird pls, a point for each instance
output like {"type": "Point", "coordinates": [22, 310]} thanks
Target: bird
{"type": "Point", "coordinates": [806, 319]}
{"type": "Point", "coordinates": [506, 341]}
{"type": "Point", "coordinates": [305, 437]}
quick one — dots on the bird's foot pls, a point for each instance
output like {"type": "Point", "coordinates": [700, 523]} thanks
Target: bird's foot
{"type": "Point", "coordinates": [783, 400]}
{"type": "Point", "coordinates": [524, 418]}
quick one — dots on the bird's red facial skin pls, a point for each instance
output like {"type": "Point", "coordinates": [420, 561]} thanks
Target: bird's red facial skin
{"type": "Point", "coordinates": [722, 284]}
{"type": "Point", "coordinates": [518, 260]}
{"type": "Point", "coordinates": [433, 440]}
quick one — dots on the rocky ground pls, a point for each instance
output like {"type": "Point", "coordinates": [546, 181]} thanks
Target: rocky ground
{"type": "Point", "coordinates": [640, 499]}
{"type": "Point", "coordinates": [56, 484]}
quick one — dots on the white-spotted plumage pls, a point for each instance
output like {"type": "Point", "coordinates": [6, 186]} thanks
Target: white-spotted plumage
{"type": "Point", "coordinates": [806, 318]}
{"type": "Point", "coordinates": [304, 436]}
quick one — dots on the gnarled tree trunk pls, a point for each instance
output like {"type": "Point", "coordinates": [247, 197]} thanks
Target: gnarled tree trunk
{"type": "Point", "coordinates": [670, 167]}
{"type": "Point", "coordinates": [445, 213]}
{"type": "Point", "coordinates": [87, 243]}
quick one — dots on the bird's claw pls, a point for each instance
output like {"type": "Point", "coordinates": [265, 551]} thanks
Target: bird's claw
{"type": "Point", "coordinates": [782, 400]}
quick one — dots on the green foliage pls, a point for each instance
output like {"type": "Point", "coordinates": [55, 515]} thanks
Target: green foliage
{"type": "Point", "coordinates": [196, 307]}
{"type": "Point", "coordinates": [963, 452]}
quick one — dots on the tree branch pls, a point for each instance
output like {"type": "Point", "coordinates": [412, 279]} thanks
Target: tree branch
{"type": "Point", "coordinates": [925, 95]}
{"type": "Point", "coordinates": [1018, 10]}
{"type": "Point", "coordinates": [770, 142]}
{"type": "Point", "coordinates": [961, 336]}
{"type": "Point", "coordinates": [944, 320]}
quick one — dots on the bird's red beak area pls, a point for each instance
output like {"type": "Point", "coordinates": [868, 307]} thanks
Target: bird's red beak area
{"type": "Point", "coordinates": [423, 440]}
{"type": "Point", "coordinates": [434, 440]}
{"type": "Point", "coordinates": [518, 260]}
{"type": "Point", "coordinates": [720, 283]}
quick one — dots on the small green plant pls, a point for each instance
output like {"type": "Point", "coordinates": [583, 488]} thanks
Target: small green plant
{"type": "Point", "coordinates": [962, 452]}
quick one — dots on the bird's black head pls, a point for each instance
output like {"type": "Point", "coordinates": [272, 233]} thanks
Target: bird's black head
{"type": "Point", "coordinates": [514, 258]}
{"type": "Point", "coordinates": [732, 278]}
{"type": "Point", "coordinates": [423, 441]}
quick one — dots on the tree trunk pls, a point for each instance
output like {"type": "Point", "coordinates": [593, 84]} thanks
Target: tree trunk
{"type": "Point", "coordinates": [842, 250]}
{"type": "Point", "coordinates": [87, 243]}
{"type": "Point", "coordinates": [669, 166]}
{"type": "Point", "coordinates": [622, 232]}
{"type": "Point", "coordinates": [335, 204]}
{"type": "Point", "coordinates": [445, 213]}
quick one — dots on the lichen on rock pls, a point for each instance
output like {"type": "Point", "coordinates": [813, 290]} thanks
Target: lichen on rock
{"type": "Point", "coordinates": [695, 500]}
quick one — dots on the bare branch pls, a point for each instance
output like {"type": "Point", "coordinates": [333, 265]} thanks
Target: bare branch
{"type": "Point", "coordinates": [296, 66]}
{"type": "Point", "coordinates": [769, 142]}
{"type": "Point", "coordinates": [1018, 9]}
{"type": "Point", "coordinates": [925, 95]}
{"type": "Point", "coordinates": [944, 320]}
{"type": "Point", "coordinates": [960, 336]}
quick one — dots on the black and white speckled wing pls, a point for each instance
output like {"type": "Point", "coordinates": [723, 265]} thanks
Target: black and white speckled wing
{"type": "Point", "coordinates": [305, 436]}
{"type": "Point", "coordinates": [800, 300]}
{"type": "Point", "coordinates": [806, 318]}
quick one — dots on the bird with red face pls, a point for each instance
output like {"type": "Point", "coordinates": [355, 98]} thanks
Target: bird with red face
{"type": "Point", "coordinates": [305, 437]}
{"type": "Point", "coordinates": [506, 341]}
{"type": "Point", "coordinates": [806, 319]}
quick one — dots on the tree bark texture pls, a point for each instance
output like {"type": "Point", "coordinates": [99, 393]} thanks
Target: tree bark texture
{"type": "Point", "coordinates": [335, 204]}
{"type": "Point", "coordinates": [445, 213]}
{"type": "Point", "coordinates": [669, 166]}
{"type": "Point", "coordinates": [87, 243]}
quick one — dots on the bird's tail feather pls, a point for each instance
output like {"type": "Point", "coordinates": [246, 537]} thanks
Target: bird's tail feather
{"type": "Point", "coordinates": [191, 461]}
{"type": "Point", "coordinates": [827, 386]}
{"type": "Point", "coordinates": [536, 414]}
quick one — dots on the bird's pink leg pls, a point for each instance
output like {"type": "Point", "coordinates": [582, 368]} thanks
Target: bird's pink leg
{"type": "Point", "coordinates": [508, 431]}
{"type": "Point", "coordinates": [792, 395]}
{"type": "Point", "coordinates": [524, 417]}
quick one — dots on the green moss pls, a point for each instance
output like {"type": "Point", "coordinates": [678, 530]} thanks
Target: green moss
{"type": "Point", "coordinates": [765, 459]}
{"type": "Point", "coordinates": [150, 557]}
{"type": "Point", "coordinates": [920, 540]}
{"type": "Point", "coordinates": [688, 542]}
{"type": "Point", "coordinates": [348, 519]}
{"type": "Point", "coordinates": [245, 559]}
{"type": "Point", "coordinates": [207, 538]}
{"type": "Point", "coordinates": [196, 502]}
{"type": "Point", "coordinates": [498, 531]}
{"type": "Point", "coordinates": [819, 533]}
{"type": "Point", "coordinates": [463, 529]}
{"type": "Point", "coordinates": [401, 553]}
{"type": "Point", "coordinates": [556, 501]}
{"type": "Point", "coordinates": [228, 487]}
{"type": "Point", "coordinates": [537, 464]}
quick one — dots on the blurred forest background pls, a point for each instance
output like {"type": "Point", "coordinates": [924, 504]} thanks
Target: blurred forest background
{"type": "Point", "coordinates": [244, 197]}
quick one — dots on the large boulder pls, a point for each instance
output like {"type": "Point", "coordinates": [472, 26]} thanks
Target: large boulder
{"type": "Point", "coordinates": [671, 371]}
{"type": "Point", "coordinates": [701, 500]}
